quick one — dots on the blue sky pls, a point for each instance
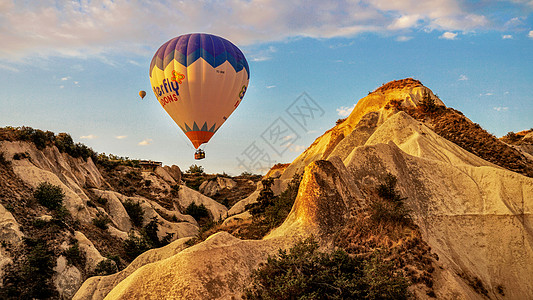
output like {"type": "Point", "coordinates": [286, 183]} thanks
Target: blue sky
{"type": "Point", "coordinates": [77, 67]}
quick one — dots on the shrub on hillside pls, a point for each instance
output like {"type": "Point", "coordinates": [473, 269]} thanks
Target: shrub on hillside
{"type": "Point", "coordinates": [135, 211]}
{"type": "Point", "coordinates": [135, 245]}
{"type": "Point", "coordinates": [105, 267]}
{"type": "Point", "coordinates": [197, 211]}
{"type": "Point", "coordinates": [428, 104]}
{"type": "Point", "coordinates": [270, 211]}
{"type": "Point", "coordinates": [30, 276]}
{"type": "Point", "coordinates": [305, 273]}
{"type": "Point", "coordinates": [49, 195]}
{"type": "Point", "coordinates": [390, 205]}
{"type": "Point", "coordinates": [3, 160]}
{"type": "Point", "coordinates": [149, 233]}
{"type": "Point", "coordinates": [101, 221]}
{"type": "Point", "coordinates": [195, 169]}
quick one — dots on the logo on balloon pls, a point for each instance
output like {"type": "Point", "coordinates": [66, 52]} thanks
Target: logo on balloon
{"type": "Point", "coordinates": [243, 90]}
{"type": "Point", "coordinates": [176, 76]}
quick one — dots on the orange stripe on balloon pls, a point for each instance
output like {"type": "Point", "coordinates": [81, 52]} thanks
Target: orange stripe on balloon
{"type": "Point", "coordinates": [199, 137]}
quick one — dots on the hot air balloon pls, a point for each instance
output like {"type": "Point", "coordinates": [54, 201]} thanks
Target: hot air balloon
{"type": "Point", "coordinates": [142, 94]}
{"type": "Point", "coordinates": [199, 79]}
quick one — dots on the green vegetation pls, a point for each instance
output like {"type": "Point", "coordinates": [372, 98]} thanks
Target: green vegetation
{"type": "Point", "coordinates": [49, 195]}
{"type": "Point", "coordinates": [195, 169]}
{"type": "Point", "coordinates": [136, 245]}
{"type": "Point", "coordinates": [101, 221]}
{"type": "Point", "coordinates": [270, 211]}
{"type": "Point", "coordinates": [3, 160]}
{"type": "Point", "coordinates": [101, 200]}
{"type": "Point", "coordinates": [21, 155]}
{"type": "Point", "coordinates": [390, 205]}
{"type": "Point", "coordinates": [305, 273]}
{"type": "Point", "coordinates": [428, 104]}
{"type": "Point", "coordinates": [74, 255]}
{"type": "Point", "coordinates": [105, 267]}
{"type": "Point", "coordinates": [135, 211]}
{"type": "Point", "coordinates": [198, 212]}
{"type": "Point", "coordinates": [30, 276]}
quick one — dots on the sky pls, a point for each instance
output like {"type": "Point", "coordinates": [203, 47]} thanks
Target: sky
{"type": "Point", "coordinates": [78, 66]}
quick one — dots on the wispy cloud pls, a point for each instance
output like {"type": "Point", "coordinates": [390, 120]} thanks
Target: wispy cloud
{"type": "Point", "coordinates": [501, 108]}
{"type": "Point", "coordinates": [345, 111]}
{"type": "Point", "coordinates": [270, 86]}
{"type": "Point", "coordinates": [145, 142]}
{"type": "Point", "coordinates": [530, 34]}
{"type": "Point", "coordinates": [486, 94]}
{"type": "Point", "coordinates": [297, 148]}
{"type": "Point", "coordinates": [96, 28]}
{"type": "Point", "coordinates": [65, 78]}
{"type": "Point", "coordinates": [121, 137]}
{"type": "Point", "coordinates": [507, 36]}
{"type": "Point", "coordinates": [88, 137]}
{"type": "Point", "coordinates": [449, 35]}
{"type": "Point", "coordinates": [462, 77]}
{"type": "Point", "coordinates": [403, 38]}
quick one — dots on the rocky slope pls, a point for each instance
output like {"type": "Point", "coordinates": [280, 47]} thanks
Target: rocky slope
{"type": "Point", "coordinates": [475, 215]}
{"type": "Point", "coordinates": [75, 246]}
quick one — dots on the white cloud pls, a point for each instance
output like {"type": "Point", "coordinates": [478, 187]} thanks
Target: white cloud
{"type": "Point", "coordinates": [65, 78]}
{"type": "Point", "coordinates": [501, 108]}
{"type": "Point", "coordinates": [145, 142]}
{"type": "Point", "coordinates": [530, 34]}
{"type": "Point", "coordinates": [9, 68]}
{"type": "Point", "coordinates": [61, 86]}
{"type": "Point", "coordinates": [403, 38]}
{"type": "Point", "coordinates": [345, 111]}
{"type": "Point", "coordinates": [297, 148]}
{"type": "Point", "coordinates": [121, 137]}
{"type": "Point", "coordinates": [507, 36]}
{"type": "Point", "coordinates": [489, 94]}
{"type": "Point", "coordinates": [96, 28]}
{"type": "Point", "coordinates": [448, 35]}
{"type": "Point", "coordinates": [403, 22]}
{"type": "Point", "coordinates": [270, 86]}
{"type": "Point", "coordinates": [462, 77]}
{"type": "Point", "coordinates": [88, 137]}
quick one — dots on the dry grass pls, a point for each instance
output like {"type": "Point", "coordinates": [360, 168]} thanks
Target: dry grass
{"type": "Point", "coordinates": [455, 127]}
{"type": "Point", "coordinates": [399, 84]}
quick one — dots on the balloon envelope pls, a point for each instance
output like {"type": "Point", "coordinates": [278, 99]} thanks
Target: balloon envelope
{"type": "Point", "coordinates": [199, 79]}
{"type": "Point", "coordinates": [142, 94]}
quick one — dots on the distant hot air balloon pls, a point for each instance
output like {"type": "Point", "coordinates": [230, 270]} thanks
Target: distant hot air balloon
{"type": "Point", "coordinates": [199, 79]}
{"type": "Point", "coordinates": [142, 94]}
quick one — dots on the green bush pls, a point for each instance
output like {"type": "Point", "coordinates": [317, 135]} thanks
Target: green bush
{"type": "Point", "coordinates": [105, 267]}
{"type": "Point", "coordinates": [74, 255]}
{"type": "Point", "coordinates": [390, 205]}
{"type": "Point", "coordinates": [197, 211]}
{"type": "Point", "coordinates": [270, 211]}
{"type": "Point", "coordinates": [305, 273]}
{"type": "Point", "coordinates": [149, 233]}
{"type": "Point", "coordinates": [195, 169]}
{"type": "Point", "coordinates": [3, 160]}
{"type": "Point", "coordinates": [135, 211]}
{"type": "Point", "coordinates": [428, 103]}
{"type": "Point", "coordinates": [101, 200]}
{"type": "Point", "coordinates": [101, 221]}
{"type": "Point", "coordinates": [49, 195]}
{"type": "Point", "coordinates": [134, 246]}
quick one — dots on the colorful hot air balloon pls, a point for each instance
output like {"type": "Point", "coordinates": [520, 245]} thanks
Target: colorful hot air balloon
{"type": "Point", "coordinates": [199, 79]}
{"type": "Point", "coordinates": [142, 94]}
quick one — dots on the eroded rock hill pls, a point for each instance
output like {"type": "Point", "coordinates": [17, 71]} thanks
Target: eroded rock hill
{"type": "Point", "coordinates": [475, 215]}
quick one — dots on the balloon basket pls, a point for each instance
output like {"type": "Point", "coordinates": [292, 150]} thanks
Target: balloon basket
{"type": "Point", "coordinates": [199, 154]}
